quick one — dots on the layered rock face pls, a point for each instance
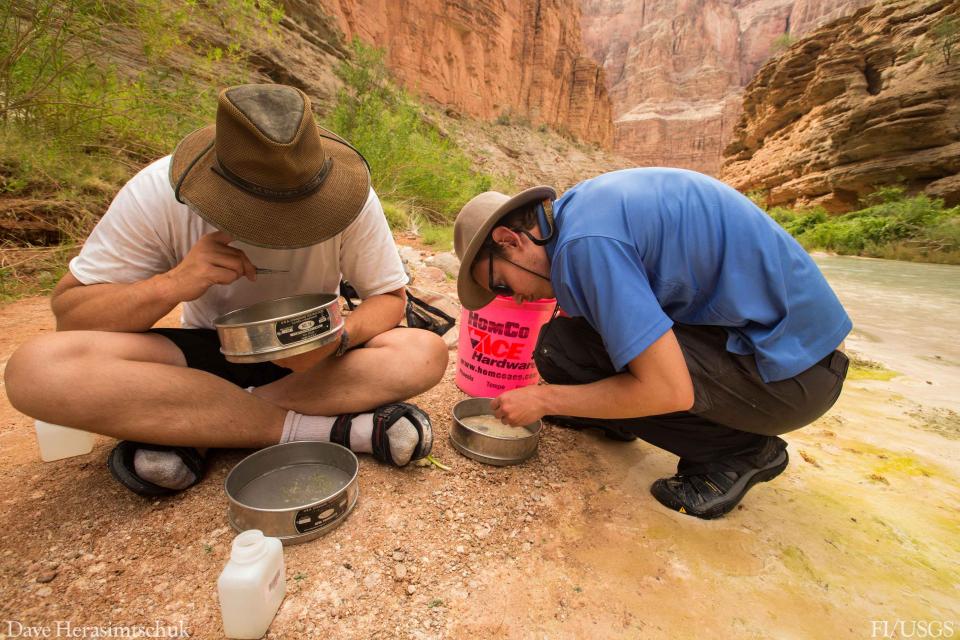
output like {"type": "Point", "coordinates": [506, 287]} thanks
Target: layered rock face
{"type": "Point", "coordinates": [677, 68]}
{"type": "Point", "coordinates": [867, 100]}
{"type": "Point", "coordinates": [487, 58]}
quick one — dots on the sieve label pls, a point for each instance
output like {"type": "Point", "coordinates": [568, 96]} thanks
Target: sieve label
{"type": "Point", "coordinates": [303, 327]}
{"type": "Point", "coordinates": [315, 517]}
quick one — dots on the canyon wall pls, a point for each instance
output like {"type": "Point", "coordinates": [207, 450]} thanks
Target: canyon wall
{"type": "Point", "coordinates": [868, 100]}
{"type": "Point", "coordinates": [677, 68]}
{"type": "Point", "coordinates": [520, 59]}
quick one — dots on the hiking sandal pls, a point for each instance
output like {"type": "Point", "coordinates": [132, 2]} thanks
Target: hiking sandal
{"type": "Point", "coordinates": [383, 418]}
{"type": "Point", "coordinates": [710, 490]}
{"type": "Point", "coordinates": [120, 464]}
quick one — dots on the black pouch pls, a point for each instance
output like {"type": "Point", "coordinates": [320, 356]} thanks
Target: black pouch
{"type": "Point", "coordinates": [419, 314]}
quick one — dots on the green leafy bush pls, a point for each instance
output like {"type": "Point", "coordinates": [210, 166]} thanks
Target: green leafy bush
{"type": "Point", "coordinates": [890, 225]}
{"type": "Point", "coordinates": [56, 82]}
{"type": "Point", "coordinates": [77, 121]}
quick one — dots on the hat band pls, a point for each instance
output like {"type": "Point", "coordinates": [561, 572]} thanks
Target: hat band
{"type": "Point", "coordinates": [276, 195]}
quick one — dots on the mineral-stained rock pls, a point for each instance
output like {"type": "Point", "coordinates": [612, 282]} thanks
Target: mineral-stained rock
{"type": "Point", "coordinates": [489, 58]}
{"type": "Point", "coordinates": [677, 68]}
{"type": "Point", "coordinates": [865, 101]}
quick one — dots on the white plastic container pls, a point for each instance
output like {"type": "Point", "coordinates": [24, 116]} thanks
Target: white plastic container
{"type": "Point", "coordinates": [57, 442]}
{"type": "Point", "coordinates": [252, 585]}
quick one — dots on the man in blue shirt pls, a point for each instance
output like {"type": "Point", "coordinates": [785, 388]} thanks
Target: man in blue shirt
{"type": "Point", "coordinates": [690, 320]}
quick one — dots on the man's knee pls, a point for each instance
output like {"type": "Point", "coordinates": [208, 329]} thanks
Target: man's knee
{"type": "Point", "coordinates": [427, 353]}
{"type": "Point", "coordinates": [571, 352]}
{"type": "Point", "coordinates": [422, 353]}
{"type": "Point", "coordinates": [34, 361]}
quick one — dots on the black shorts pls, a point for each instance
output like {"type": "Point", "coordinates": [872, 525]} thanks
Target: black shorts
{"type": "Point", "coordinates": [201, 348]}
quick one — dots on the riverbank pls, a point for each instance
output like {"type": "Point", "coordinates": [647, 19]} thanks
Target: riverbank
{"type": "Point", "coordinates": [890, 225]}
{"type": "Point", "coordinates": [860, 528]}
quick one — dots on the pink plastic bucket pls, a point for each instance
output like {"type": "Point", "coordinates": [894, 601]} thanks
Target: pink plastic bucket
{"type": "Point", "coordinates": [495, 351]}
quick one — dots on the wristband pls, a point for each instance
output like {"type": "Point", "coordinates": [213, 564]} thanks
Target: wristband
{"type": "Point", "coordinates": [344, 345]}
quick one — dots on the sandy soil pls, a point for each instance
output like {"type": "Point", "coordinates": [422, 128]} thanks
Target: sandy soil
{"type": "Point", "coordinates": [862, 527]}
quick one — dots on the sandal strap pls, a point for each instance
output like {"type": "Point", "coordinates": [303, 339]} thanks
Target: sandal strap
{"type": "Point", "coordinates": [384, 417]}
{"type": "Point", "coordinates": [340, 432]}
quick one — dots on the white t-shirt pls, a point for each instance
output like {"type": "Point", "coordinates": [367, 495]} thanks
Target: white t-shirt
{"type": "Point", "coordinates": [146, 231]}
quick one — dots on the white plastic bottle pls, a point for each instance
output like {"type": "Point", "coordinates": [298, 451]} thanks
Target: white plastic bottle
{"type": "Point", "coordinates": [57, 442]}
{"type": "Point", "coordinates": [252, 585]}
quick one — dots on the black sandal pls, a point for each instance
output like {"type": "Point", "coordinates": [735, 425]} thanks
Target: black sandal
{"type": "Point", "coordinates": [383, 418]}
{"type": "Point", "coordinates": [120, 464]}
{"type": "Point", "coordinates": [712, 489]}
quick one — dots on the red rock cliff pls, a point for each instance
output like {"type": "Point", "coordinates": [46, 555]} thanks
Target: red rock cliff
{"type": "Point", "coordinates": [865, 101]}
{"type": "Point", "coordinates": [677, 68]}
{"type": "Point", "coordinates": [486, 58]}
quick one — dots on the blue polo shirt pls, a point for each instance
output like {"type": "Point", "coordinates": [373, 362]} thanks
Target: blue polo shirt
{"type": "Point", "coordinates": [637, 250]}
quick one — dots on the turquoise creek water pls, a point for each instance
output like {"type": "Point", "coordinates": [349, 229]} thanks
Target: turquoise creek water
{"type": "Point", "coordinates": [905, 315]}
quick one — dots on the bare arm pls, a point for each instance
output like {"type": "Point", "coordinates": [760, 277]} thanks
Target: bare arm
{"type": "Point", "coordinates": [136, 306]}
{"type": "Point", "coordinates": [657, 382]}
{"type": "Point", "coordinates": [112, 307]}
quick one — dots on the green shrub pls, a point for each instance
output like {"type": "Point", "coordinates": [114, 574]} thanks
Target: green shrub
{"type": "Point", "coordinates": [74, 124]}
{"type": "Point", "coordinates": [55, 81]}
{"type": "Point", "coordinates": [891, 224]}
{"type": "Point", "coordinates": [782, 42]}
{"type": "Point", "coordinates": [410, 160]}
{"type": "Point", "coordinates": [439, 236]}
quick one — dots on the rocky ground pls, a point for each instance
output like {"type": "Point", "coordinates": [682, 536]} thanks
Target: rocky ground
{"type": "Point", "coordinates": [862, 527]}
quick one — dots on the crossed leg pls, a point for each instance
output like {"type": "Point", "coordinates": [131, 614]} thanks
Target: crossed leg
{"type": "Point", "coordinates": [136, 386]}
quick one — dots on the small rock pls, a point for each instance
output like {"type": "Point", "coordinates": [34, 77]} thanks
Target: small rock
{"type": "Point", "coordinates": [481, 532]}
{"type": "Point", "coordinates": [347, 566]}
{"type": "Point", "coordinates": [525, 547]}
{"type": "Point", "coordinates": [398, 556]}
{"type": "Point", "coordinates": [446, 262]}
{"type": "Point", "coordinates": [431, 274]}
{"type": "Point", "coordinates": [411, 589]}
{"type": "Point", "coordinates": [410, 256]}
{"type": "Point", "coordinates": [43, 592]}
{"type": "Point", "coordinates": [44, 578]}
{"type": "Point", "coordinates": [448, 514]}
{"type": "Point", "coordinates": [400, 571]}
{"type": "Point", "coordinates": [460, 549]}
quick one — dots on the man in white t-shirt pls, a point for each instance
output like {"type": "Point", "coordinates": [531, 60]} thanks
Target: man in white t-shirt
{"type": "Point", "coordinates": [263, 188]}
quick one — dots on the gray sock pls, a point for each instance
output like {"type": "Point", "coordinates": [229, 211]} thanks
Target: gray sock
{"type": "Point", "coordinates": [402, 436]}
{"type": "Point", "coordinates": [163, 468]}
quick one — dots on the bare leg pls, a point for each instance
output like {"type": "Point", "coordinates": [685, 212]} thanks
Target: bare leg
{"type": "Point", "coordinates": [393, 366]}
{"type": "Point", "coordinates": [135, 387]}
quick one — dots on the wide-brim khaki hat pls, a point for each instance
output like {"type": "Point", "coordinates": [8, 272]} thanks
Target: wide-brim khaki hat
{"type": "Point", "coordinates": [474, 223]}
{"type": "Point", "coordinates": [267, 174]}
